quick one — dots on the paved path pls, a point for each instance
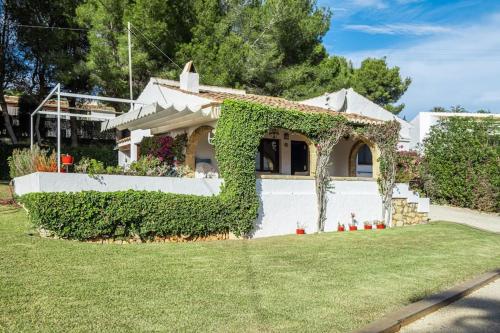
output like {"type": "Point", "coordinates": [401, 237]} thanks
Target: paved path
{"type": "Point", "coordinates": [490, 222]}
{"type": "Point", "coordinates": [476, 312]}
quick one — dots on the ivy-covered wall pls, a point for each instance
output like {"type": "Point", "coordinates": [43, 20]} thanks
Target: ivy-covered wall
{"type": "Point", "coordinates": [87, 215]}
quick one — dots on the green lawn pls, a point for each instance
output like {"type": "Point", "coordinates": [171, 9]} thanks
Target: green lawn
{"type": "Point", "coordinates": [328, 282]}
{"type": "Point", "coordinates": [4, 191]}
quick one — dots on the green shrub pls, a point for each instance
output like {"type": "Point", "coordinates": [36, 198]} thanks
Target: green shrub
{"type": "Point", "coordinates": [241, 126]}
{"type": "Point", "coordinates": [145, 166]}
{"type": "Point", "coordinates": [90, 166]}
{"type": "Point", "coordinates": [26, 161]}
{"type": "Point", "coordinates": [5, 152]}
{"type": "Point", "coordinates": [23, 161]}
{"type": "Point", "coordinates": [461, 163]}
{"type": "Point", "coordinates": [106, 154]}
{"type": "Point", "coordinates": [87, 215]}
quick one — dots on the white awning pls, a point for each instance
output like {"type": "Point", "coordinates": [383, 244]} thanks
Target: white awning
{"type": "Point", "coordinates": [153, 116]}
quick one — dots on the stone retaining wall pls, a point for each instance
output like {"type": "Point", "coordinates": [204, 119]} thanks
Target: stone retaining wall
{"type": "Point", "coordinates": [406, 213]}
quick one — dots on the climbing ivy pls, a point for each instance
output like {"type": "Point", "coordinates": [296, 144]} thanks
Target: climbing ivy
{"type": "Point", "coordinates": [385, 136]}
{"type": "Point", "coordinates": [239, 131]}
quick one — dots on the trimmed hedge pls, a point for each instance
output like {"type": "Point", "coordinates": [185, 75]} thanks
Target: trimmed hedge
{"type": "Point", "coordinates": [88, 215]}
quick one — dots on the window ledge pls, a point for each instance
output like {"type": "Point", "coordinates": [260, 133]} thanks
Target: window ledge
{"type": "Point", "coordinates": [364, 179]}
{"type": "Point", "coordinates": [278, 176]}
{"type": "Point", "coordinates": [297, 177]}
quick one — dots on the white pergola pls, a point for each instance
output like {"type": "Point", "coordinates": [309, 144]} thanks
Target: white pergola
{"type": "Point", "coordinates": [58, 94]}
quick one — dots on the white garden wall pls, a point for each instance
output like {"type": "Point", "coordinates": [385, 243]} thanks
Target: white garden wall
{"type": "Point", "coordinates": [74, 182]}
{"type": "Point", "coordinates": [284, 203]}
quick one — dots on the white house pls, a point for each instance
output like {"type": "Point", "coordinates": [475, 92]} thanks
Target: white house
{"type": "Point", "coordinates": [422, 123]}
{"type": "Point", "coordinates": [185, 106]}
{"type": "Point", "coordinates": [285, 160]}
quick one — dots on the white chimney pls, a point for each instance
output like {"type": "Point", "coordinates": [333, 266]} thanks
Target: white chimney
{"type": "Point", "coordinates": [190, 80]}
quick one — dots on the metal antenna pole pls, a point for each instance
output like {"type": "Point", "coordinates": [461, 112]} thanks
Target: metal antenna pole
{"type": "Point", "coordinates": [31, 131]}
{"type": "Point", "coordinates": [58, 128]}
{"type": "Point", "coordinates": [130, 64]}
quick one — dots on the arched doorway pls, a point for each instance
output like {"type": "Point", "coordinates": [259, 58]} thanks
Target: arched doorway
{"type": "Point", "coordinates": [363, 160]}
{"type": "Point", "coordinates": [200, 153]}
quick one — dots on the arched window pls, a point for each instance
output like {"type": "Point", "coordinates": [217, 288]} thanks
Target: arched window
{"type": "Point", "coordinates": [365, 155]}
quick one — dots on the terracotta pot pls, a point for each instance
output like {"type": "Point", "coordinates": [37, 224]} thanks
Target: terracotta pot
{"type": "Point", "coordinates": [353, 228]}
{"type": "Point", "coordinates": [340, 228]}
{"type": "Point", "coordinates": [380, 226]}
{"type": "Point", "coordinates": [67, 159]}
{"type": "Point", "coordinates": [300, 231]}
{"type": "Point", "coordinates": [368, 227]}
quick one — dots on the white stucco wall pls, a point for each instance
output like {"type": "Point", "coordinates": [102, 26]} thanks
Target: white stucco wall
{"type": "Point", "coordinates": [423, 122]}
{"type": "Point", "coordinates": [288, 203]}
{"type": "Point", "coordinates": [74, 182]}
{"type": "Point", "coordinates": [284, 203]}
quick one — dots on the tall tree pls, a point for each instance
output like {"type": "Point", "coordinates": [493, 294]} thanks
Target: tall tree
{"type": "Point", "coordinates": [11, 64]}
{"type": "Point", "coordinates": [53, 51]}
{"type": "Point", "coordinates": [248, 43]}
{"type": "Point", "coordinates": [107, 57]}
{"type": "Point", "coordinates": [306, 81]}
{"type": "Point", "coordinates": [269, 47]}
{"type": "Point", "coordinates": [159, 28]}
{"type": "Point", "coordinates": [381, 84]}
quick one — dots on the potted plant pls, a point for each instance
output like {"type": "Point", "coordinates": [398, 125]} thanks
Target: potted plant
{"type": "Point", "coordinates": [353, 223]}
{"type": "Point", "coordinates": [340, 227]}
{"type": "Point", "coordinates": [67, 159]}
{"type": "Point", "coordinates": [368, 225]}
{"type": "Point", "coordinates": [380, 225]}
{"type": "Point", "coordinates": [300, 229]}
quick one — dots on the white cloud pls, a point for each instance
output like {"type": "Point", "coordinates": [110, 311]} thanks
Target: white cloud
{"type": "Point", "coordinates": [399, 29]}
{"type": "Point", "coordinates": [406, 2]}
{"type": "Point", "coordinates": [460, 68]}
{"type": "Point", "coordinates": [379, 4]}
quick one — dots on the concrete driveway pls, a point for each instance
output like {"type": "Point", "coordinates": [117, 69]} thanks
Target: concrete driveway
{"type": "Point", "coordinates": [485, 221]}
{"type": "Point", "coordinates": [478, 312]}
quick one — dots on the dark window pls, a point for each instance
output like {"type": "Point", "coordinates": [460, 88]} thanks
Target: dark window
{"type": "Point", "coordinates": [300, 157]}
{"type": "Point", "coordinates": [365, 155]}
{"type": "Point", "coordinates": [268, 156]}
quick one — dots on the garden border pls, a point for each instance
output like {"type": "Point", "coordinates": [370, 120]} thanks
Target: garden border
{"type": "Point", "coordinates": [393, 322]}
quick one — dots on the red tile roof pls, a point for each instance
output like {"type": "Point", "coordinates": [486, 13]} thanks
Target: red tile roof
{"type": "Point", "coordinates": [278, 102]}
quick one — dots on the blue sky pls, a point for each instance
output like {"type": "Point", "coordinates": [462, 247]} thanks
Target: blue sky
{"type": "Point", "coordinates": [451, 49]}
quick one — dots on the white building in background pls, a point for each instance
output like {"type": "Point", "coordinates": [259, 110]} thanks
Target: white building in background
{"type": "Point", "coordinates": [422, 123]}
{"type": "Point", "coordinates": [349, 101]}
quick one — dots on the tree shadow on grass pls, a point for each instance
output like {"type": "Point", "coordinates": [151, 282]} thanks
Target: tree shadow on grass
{"type": "Point", "coordinates": [482, 315]}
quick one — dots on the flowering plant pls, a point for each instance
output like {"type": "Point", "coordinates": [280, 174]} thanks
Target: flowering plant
{"type": "Point", "coordinates": [407, 166]}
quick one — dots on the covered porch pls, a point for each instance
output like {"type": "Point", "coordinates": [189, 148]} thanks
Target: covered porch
{"type": "Point", "coordinates": [283, 153]}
